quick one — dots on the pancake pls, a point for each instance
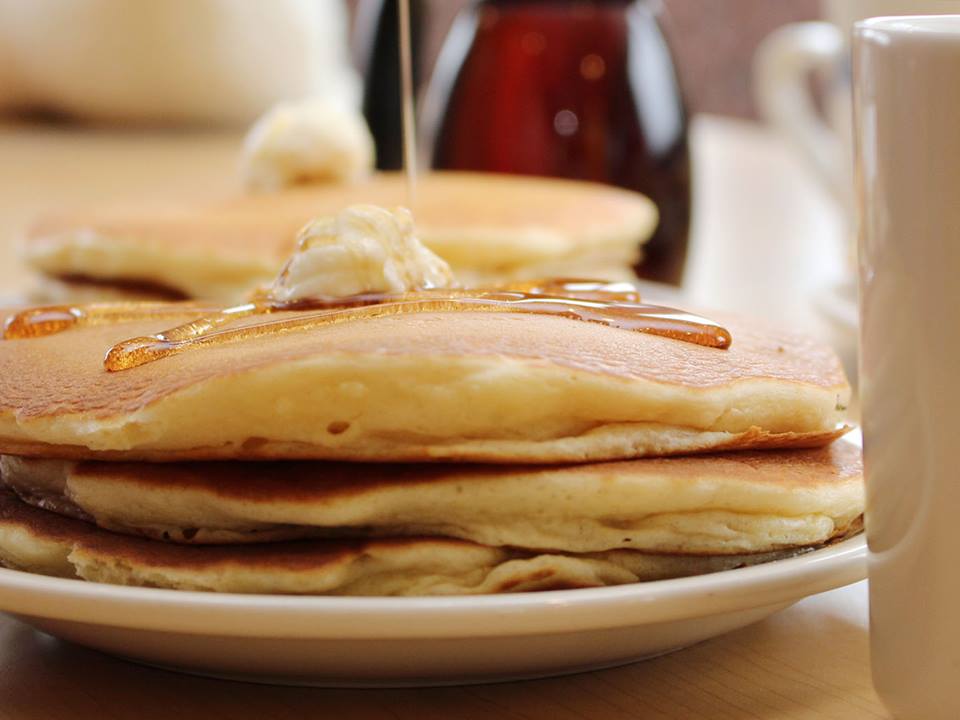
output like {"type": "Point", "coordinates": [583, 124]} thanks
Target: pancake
{"type": "Point", "coordinates": [48, 290]}
{"type": "Point", "coordinates": [38, 541]}
{"type": "Point", "coordinates": [736, 503]}
{"type": "Point", "coordinates": [490, 228]}
{"type": "Point", "coordinates": [489, 387]}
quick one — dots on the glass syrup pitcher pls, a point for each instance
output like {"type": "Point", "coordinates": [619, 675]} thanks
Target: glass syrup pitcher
{"type": "Point", "coordinates": [568, 88]}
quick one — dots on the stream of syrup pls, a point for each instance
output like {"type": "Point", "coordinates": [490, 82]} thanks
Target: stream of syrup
{"type": "Point", "coordinates": [616, 305]}
{"type": "Point", "coordinates": [408, 117]}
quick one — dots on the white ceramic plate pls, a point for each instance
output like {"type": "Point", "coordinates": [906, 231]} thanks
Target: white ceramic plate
{"type": "Point", "coordinates": [419, 641]}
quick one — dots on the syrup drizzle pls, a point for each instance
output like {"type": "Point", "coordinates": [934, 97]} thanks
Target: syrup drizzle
{"type": "Point", "coordinates": [408, 118]}
{"type": "Point", "coordinates": [52, 319]}
{"type": "Point", "coordinates": [613, 304]}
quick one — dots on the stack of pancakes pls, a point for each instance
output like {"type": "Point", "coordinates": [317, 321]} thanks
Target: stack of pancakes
{"type": "Point", "coordinates": [420, 453]}
{"type": "Point", "coordinates": [490, 228]}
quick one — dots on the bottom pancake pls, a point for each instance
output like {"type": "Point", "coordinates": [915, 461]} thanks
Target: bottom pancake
{"type": "Point", "coordinates": [39, 541]}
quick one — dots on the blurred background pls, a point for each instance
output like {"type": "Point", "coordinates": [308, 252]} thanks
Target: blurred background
{"type": "Point", "coordinates": [714, 41]}
{"type": "Point", "coordinates": [109, 102]}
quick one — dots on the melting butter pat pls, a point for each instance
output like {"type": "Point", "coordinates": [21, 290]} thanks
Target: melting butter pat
{"type": "Point", "coordinates": [306, 141]}
{"type": "Point", "coordinates": [364, 249]}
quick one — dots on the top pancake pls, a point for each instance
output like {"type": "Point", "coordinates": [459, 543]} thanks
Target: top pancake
{"type": "Point", "coordinates": [492, 387]}
{"type": "Point", "coordinates": [487, 226]}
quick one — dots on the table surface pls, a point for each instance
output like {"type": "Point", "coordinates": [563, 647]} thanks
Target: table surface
{"type": "Point", "coordinates": [765, 241]}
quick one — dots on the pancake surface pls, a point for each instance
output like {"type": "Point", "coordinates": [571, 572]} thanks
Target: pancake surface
{"type": "Point", "coordinates": [37, 541]}
{"type": "Point", "coordinates": [488, 227]}
{"type": "Point", "coordinates": [735, 503]}
{"type": "Point", "coordinates": [493, 387]}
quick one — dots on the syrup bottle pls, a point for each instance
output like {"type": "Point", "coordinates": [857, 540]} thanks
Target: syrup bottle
{"type": "Point", "coordinates": [378, 41]}
{"type": "Point", "coordinates": [568, 88]}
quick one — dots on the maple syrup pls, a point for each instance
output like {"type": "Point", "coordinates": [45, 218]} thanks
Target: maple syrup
{"type": "Point", "coordinates": [626, 315]}
{"type": "Point", "coordinates": [408, 118]}
{"type": "Point", "coordinates": [616, 305]}
{"type": "Point", "coordinates": [52, 319]}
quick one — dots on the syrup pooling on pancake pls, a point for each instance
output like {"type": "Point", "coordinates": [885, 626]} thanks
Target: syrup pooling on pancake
{"type": "Point", "coordinates": [637, 317]}
{"type": "Point", "coordinates": [52, 319]}
{"type": "Point", "coordinates": [574, 299]}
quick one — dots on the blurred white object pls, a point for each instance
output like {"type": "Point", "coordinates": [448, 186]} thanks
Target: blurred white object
{"type": "Point", "coordinates": [305, 141]}
{"type": "Point", "coordinates": [783, 68]}
{"type": "Point", "coordinates": [784, 64]}
{"type": "Point", "coordinates": [176, 61]}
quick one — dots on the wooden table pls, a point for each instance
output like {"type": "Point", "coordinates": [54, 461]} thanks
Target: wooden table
{"type": "Point", "coordinates": [765, 242]}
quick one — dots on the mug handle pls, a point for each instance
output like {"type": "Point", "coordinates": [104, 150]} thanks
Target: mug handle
{"type": "Point", "coordinates": [782, 68]}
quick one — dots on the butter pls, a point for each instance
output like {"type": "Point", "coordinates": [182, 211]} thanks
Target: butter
{"type": "Point", "coordinates": [306, 141]}
{"type": "Point", "coordinates": [364, 249]}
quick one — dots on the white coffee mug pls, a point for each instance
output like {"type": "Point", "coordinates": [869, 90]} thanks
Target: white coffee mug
{"type": "Point", "coordinates": [791, 56]}
{"type": "Point", "coordinates": [907, 131]}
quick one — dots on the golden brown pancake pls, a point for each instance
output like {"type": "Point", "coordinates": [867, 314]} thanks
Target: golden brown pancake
{"type": "Point", "coordinates": [49, 290]}
{"type": "Point", "coordinates": [734, 503]}
{"type": "Point", "coordinates": [488, 227]}
{"type": "Point", "coordinates": [491, 387]}
{"type": "Point", "coordinates": [41, 542]}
